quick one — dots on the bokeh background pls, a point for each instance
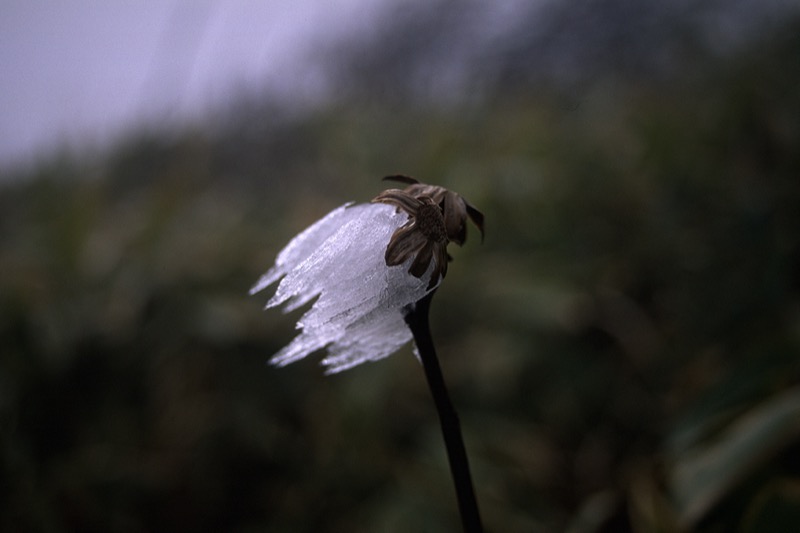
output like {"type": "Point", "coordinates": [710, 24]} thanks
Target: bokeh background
{"type": "Point", "coordinates": [622, 348]}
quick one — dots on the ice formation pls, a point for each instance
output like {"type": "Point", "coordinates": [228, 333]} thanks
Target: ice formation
{"type": "Point", "coordinates": [358, 315]}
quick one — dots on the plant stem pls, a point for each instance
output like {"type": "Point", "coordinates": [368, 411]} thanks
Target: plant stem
{"type": "Point", "coordinates": [417, 319]}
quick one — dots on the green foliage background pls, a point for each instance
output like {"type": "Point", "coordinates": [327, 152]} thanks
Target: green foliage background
{"type": "Point", "coordinates": [622, 348]}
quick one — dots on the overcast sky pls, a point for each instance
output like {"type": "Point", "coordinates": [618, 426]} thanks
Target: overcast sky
{"type": "Point", "coordinates": [80, 71]}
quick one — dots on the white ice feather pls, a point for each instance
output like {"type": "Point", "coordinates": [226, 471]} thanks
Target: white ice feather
{"type": "Point", "coordinates": [301, 247]}
{"type": "Point", "coordinates": [358, 315]}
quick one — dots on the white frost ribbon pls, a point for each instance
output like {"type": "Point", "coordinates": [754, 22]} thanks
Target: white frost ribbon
{"type": "Point", "coordinates": [358, 315]}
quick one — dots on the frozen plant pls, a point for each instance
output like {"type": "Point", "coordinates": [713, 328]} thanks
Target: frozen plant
{"type": "Point", "coordinates": [373, 269]}
{"type": "Point", "coordinates": [366, 264]}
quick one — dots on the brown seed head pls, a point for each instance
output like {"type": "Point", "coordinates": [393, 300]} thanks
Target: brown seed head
{"type": "Point", "coordinates": [430, 221]}
{"type": "Point", "coordinates": [436, 217]}
{"type": "Point", "coordinates": [455, 209]}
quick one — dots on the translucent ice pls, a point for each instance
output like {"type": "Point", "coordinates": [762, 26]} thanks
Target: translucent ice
{"type": "Point", "coordinates": [358, 315]}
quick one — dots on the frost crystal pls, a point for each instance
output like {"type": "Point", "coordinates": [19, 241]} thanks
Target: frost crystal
{"type": "Point", "coordinates": [358, 315]}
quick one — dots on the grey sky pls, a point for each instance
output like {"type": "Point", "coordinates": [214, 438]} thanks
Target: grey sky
{"type": "Point", "coordinates": [78, 72]}
{"type": "Point", "coordinates": [81, 73]}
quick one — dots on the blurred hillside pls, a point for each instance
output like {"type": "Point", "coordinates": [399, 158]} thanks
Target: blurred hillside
{"type": "Point", "coordinates": [622, 349]}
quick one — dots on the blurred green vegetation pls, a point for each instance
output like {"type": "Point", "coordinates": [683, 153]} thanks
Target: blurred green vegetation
{"type": "Point", "coordinates": [622, 349]}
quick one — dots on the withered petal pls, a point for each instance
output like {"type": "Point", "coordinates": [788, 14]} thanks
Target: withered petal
{"type": "Point", "coordinates": [404, 243]}
{"type": "Point", "coordinates": [422, 260]}
{"type": "Point", "coordinates": [435, 192]}
{"type": "Point", "coordinates": [408, 180]}
{"type": "Point", "coordinates": [455, 215]}
{"type": "Point", "coordinates": [398, 198]}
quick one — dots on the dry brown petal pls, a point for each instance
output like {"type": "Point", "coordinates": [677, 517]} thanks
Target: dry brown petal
{"type": "Point", "coordinates": [400, 199]}
{"type": "Point", "coordinates": [421, 262]}
{"type": "Point", "coordinates": [405, 242]}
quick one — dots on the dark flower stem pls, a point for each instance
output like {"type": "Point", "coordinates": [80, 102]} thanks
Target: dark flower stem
{"type": "Point", "coordinates": [417, 319]}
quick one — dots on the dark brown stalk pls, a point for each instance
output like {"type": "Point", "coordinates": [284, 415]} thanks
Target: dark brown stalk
{"type": "Point", "coordinates": [417, 319]}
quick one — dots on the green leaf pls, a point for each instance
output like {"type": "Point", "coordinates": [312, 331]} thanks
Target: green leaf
{"type": "Point", "coordinates": [705, 474]}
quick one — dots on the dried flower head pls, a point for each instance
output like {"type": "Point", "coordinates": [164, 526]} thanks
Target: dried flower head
{"type": "Point", "coordinates": [436, 217]}
{"type": "Point", "coordinates": [356, 262]}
